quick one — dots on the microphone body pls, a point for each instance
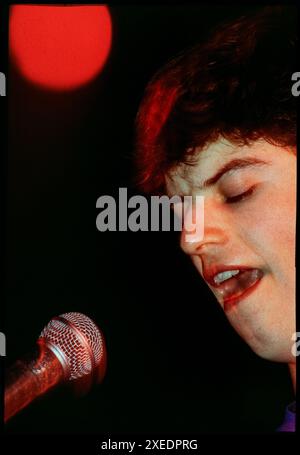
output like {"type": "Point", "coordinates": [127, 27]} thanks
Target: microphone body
{"type": "Point", "coordinates": [30, 378]}
{"type": "Point", "coordinates": [70, 348]}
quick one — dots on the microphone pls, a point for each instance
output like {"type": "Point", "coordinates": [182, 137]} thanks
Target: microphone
{"type": "Point", "coordinates": [70, 348]}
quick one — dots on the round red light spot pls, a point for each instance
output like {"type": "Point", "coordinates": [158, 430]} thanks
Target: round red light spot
{"type": "Point", "coordinates": [59, 47]}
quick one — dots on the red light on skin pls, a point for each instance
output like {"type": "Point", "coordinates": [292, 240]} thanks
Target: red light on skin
{"type": "Point", "coordinates": [59, 47]}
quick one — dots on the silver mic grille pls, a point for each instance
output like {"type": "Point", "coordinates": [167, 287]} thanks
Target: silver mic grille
{"type": "Point", "coordinates": [77, 342]}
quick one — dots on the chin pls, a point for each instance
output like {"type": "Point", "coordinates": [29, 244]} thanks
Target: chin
{"type": "Point", "coordinates": [274, 351]}
{"type": "Point", "coordinates": [272, 343]}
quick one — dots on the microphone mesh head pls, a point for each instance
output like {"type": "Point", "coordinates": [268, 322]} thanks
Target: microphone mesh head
{"type": "Point", "coordinates": [77, 340]}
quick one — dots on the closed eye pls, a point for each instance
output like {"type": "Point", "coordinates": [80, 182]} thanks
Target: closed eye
{"type": "Point", "coordinates": [240, 197]}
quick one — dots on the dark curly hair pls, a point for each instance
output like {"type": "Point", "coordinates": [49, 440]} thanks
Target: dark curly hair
{"type": "Point", "coordinates": [237, 85]}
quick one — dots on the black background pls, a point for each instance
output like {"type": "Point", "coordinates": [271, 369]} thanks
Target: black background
{"type": "Point", "coordinates": [174, 363]}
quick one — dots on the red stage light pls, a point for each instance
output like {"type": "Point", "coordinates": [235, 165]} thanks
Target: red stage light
{"type": "Point", "coordinates": [59, 47]}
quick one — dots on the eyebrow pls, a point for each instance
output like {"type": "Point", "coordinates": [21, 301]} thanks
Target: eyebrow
{"type": "Point", "coordinates": [237, 163]}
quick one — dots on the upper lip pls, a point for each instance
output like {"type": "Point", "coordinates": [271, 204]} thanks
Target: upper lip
{"type": "Point", "coordinates": [210, 272]}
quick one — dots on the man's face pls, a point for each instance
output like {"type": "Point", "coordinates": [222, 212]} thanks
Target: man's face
{"type": "Point", "coordinates": [249, 229]}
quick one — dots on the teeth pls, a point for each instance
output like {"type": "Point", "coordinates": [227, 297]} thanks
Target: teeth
{"type": "Point", "coordinates": [220, 277]}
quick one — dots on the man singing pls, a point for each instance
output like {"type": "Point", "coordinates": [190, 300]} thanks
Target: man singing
{"type": "Point", "coordinates": [219, 121]}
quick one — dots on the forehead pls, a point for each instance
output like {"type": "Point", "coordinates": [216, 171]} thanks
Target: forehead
{"type": "Point", "coordinates": [208, 161]}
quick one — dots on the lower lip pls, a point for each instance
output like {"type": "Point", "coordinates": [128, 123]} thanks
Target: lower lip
{"type": "Point", "coordinates": [234, 300]}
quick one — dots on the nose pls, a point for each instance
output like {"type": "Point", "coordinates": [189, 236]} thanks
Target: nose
{"type": "Point", "coordinates": [216, 230]}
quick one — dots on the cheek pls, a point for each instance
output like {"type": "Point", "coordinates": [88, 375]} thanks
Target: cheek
{"type": "Point", "coordinates": [270, 228]}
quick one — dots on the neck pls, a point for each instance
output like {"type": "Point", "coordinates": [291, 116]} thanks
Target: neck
{"type": "Point", "coordinates": [292, 367]}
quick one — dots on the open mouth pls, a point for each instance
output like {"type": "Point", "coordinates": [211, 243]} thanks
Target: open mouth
{"type": "Point", "coordinates": [233, 285]}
